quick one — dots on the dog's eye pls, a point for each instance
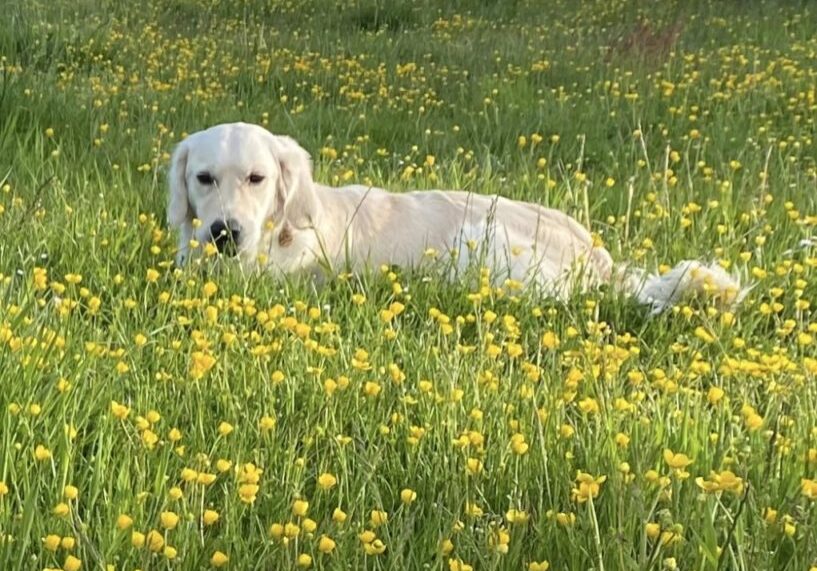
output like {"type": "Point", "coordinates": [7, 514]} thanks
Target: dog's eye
{"type": "Point", "coordinates": [205, 178]}
{"type": "Point", "coordinates": [256, 178]}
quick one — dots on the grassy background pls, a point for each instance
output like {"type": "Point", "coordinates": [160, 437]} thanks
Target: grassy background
{"type": "Point", "coordinates": [677, 130]}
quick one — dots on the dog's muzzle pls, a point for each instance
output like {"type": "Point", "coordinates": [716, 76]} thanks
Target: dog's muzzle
{"type": "Point", "coordinates": [226, 236]}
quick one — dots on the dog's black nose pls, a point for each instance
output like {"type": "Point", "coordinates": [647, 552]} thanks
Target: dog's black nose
{"type": "Point", "coordinates": [225, 236]}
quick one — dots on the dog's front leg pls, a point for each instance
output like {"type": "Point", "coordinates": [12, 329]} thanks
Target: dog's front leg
{"type": "Point", "coordinates": [185, 236]}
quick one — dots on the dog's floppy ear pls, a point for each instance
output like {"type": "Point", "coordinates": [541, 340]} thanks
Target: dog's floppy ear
{"type": "Point", "coordinates": [178, 209]}
{"type": "Point", "coordinates": [294, 194]}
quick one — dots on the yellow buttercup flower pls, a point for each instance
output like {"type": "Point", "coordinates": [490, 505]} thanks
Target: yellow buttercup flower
{"type": "Point", "coordinates": [61, 510]}
{"type": "Point", "coordinates": [375, 547]}
{"type": "Point", "coordinates": [154, 540]}
{"type": "Point", "coordinates": [248, 492]}
{"type": "Point", "coordinates": [725, 481]}
{"type": "Point", "coordinates": [550, 340]}
{"type": "Point", "coordinates": [219, 559]}
{"type": "Point", "coordinates": [71, 563]}
{"type": "Point", "coordinates": [378, 518]}
{"type": "Point", "coordinates": [300, 508]}
{"type": "Point", "coordinates": [517, 516]}
{"type": "Point", "coordinates": [587, 487]}
{"type": "Point", "coordinates": [714, 395]}
{"type": "Point", "coordinates": [809, 488]}
{"type": "Point", "coordinates": [676, 461]}
{"type": "Point", "coordinates": [209, 289]}
{"type": "Point", "coordinates": [326, 544]}
{"type": "Point", "coordinates": [407, 495]}
{"type": "Point", "coordinates": [291, 530]}
{"type": "Point", "coordinates": [42, 453]}
{"type": "Point", "coordinates": [169, 520]}
{"type": "Point", "coordinates": [209, 517]}
{"type": "Point", "coordinates": [200, 364]}
{"type": "Point", "coordinates": [52, 542]}
{"type": "Point", "coordinates": [473, 466]}
{"type": "Point", "coordinates": [458, 565]}
{"type": "Point", "coordinates": [327, 481]}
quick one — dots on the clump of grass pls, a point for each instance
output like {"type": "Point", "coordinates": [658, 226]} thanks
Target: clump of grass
{"type": "Point", "coordinates": [157, 417]}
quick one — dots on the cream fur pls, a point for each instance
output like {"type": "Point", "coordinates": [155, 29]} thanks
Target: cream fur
{"type": "Point", "coordinates": [291, 224]}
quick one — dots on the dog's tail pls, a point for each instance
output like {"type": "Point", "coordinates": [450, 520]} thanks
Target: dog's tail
{"type": "Point", "coordinates": [688, 278]}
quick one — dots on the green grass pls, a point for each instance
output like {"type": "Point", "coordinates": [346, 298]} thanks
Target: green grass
{"type": "Point", "coordinates": [674, 130]}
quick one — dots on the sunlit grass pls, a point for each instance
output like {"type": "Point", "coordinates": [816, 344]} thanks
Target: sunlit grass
{"type": "Point", "coordinates": [154, 417]}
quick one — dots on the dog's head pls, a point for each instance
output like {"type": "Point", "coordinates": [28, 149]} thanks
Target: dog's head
{"type": "Point", "coordinates": [238, 181]}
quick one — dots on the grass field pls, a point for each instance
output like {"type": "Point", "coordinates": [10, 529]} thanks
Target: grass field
{"type": "Point", "coordinates": [158, 418]}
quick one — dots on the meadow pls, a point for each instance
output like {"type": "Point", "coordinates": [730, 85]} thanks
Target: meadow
{"type": "Point", "coordinates": [154, 417]}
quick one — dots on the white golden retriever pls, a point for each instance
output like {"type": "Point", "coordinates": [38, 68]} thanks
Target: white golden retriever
{"type": "Point", "coordinates": [252, 195]}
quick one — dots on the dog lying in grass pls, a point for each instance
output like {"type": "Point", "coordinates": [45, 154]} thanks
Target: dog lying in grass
{"type": "Point", "coordinates": [249, 193]}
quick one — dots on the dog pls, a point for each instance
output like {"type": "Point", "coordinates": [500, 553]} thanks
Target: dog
{"type": "Point", "coordinates": [250, 194]}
